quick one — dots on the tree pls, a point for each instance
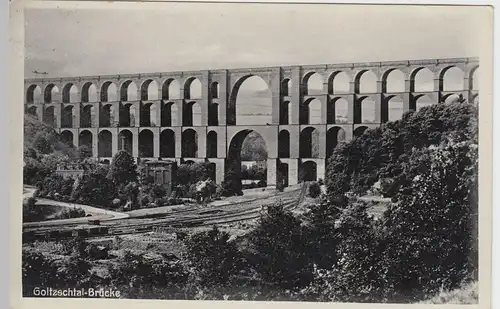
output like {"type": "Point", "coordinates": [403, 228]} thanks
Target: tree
{"type": "Point", "coordinates": [123, 169]}
{"type": "Point", "coordinates": [279, 244]}
{"type": "Point", "coordinates": [215, 258]}
{"type": "Point", "coordinates": [431, 232]}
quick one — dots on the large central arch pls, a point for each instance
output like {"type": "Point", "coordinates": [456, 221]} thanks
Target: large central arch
{"type": "Point", "coordinates": [234, 157]}
{"type": "Point", "coordinates": [250, 102]}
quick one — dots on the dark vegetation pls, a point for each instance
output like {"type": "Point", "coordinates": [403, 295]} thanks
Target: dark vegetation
{"type": "Point", "coordinates": [426, 241]}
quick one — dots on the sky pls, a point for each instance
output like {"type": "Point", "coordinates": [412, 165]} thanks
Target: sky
{"type": "Point", "coordinates": [192, 36]}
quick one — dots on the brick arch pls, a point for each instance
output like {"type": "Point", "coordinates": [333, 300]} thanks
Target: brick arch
{"type": "Point", "coordinates": [144, 87]}
{"type": "Point", "coordinates": [332, 78]}
{"type": "Point", "coordinates": [388, 72]}
{"type": "Point", "coordinates": [124, 88]}
{"type": "Point", "coordinates": [236, 82]}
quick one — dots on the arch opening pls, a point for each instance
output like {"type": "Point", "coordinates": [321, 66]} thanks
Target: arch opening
{"type": "Point", "coordinates": [107, 115]}
{"type": "Point", "coordinates": [365, 82]}
{"type": "Point", "coordinates": [308, 171]}
{"type": "Point", "coordinates": [283, 173]}
{"type": "Point", "coordinates": [451, 79]}
{"type": "Point", "coordinates": [169, 114]}
{"type": "Point", "coordinates": [67, 138]}
{"type": "Point", "coordinates": [359, 131]}
{"type": "Point", "coordinates": [34, 94]}
{"type": "Point", "coordinates": [85, 148]}
{"type": "Point", "coordinates": [334, 136]}
{"type": "Point", "coordinates": [213, 114]}
{"type": "Point", "coordinates": [109, 92]}
{"type": "Point", "coordinates": [284, 144]}
{"type": "Point", "coordinates": [393, 81]}
{"type": "Point", "coordinates": [67, 117]}
{"type": "Point", "coordinates": [89, 93]}
{"type": "Point", "coordinates": [285, 112]}
{"type": "Point", "coordinates": [247, 148]}
{"type": "Point", "coordinates": [149, 90]}
{"type": "Point", "coordinates": [309, 143]}
{"type": "Point", "coordinates": [338, 111]}
{"type": "Point", "coordinates": [339, 82]}
{"type": "Point", "coordinates": [192, 89]}
{"type": "Point", "coordinates": [33, 111]}
{"type": "Point", "coordinates": [311, 112]}
{"type": "Point", "coordinates": [423, 101]}
{"type": "Point", "coordinates": [214, 90]}
{"type": "Point", "coordinates": [70, 93]}
{"type": "Point", "coordinates": [126, 141]}
{"type": "Point", "coordinates": [286, 86]}
{"type": "Point", "coordinates": [105, 141]}
{"type": "Point", "coordinates": [189, 143]}
{"type": "Point", "coordinates": [392, 109]}
{"type": "Point", "coordinates": [128, 91]}
{"type": "Point", "coordinates": [146, 144]}
{"type": "Point", "coordinates": [212, 144]}
{"type": "Point", "coordinates": [365, 110]}
{"type": "Point", "coordinates": [250, 103]}
{"type": "Point", "coordinates": [147, 115]}
{"type": "Point", "coordinates": [191, 114]}
{"type": "Point", "coordinates": [422, 80]}
{"type": "Point", "coordinates": [313, 84]}
{"type": "Point", "coordinates": [167, 144]}
{"type": "Point", "coordinates": [49, 116]}
{"type": "Point", "coordinates": [171, 90]}
{"type": "Point", "coordinates": [50, 94]}
{"type": "Point", "coordinates": [87, 118]}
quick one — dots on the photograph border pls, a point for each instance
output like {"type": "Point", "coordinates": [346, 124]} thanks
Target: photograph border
{"type": "Point", "coordinates": [15, 161]}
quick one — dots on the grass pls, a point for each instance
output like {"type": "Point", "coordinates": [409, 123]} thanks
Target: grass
{"type": "Point", "coordinates": [466, 294]}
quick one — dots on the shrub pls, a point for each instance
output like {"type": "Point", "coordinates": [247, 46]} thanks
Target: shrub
{"type": "Point", "coordinates": [279, 246]}
{"type": "Point", "coordinates": [431, 232]}
{"type": "Point", "coordinates": [215, 258]}
{"type": "Point", "coordinates": [314, 189]}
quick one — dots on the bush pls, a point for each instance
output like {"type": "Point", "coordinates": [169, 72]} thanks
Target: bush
{"type": "Point", "coordinates": [279, 246]}
{"type": "Point", "coordinates": [68, 213]}
{"type": "Point", "coordinates": [215, 258]}
{"type": "Point", "coordinates": [314, 189]}
{"type": "Point", "coordinates": [431, 232]}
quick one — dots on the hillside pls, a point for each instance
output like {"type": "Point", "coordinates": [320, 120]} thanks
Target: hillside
{"type": "Point", "coordinates": [43, 139]}
{"type": "Point", "coordinates": [385, 154]}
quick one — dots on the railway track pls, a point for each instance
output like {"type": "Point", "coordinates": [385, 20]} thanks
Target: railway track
{"type": "Point", "coordinates": [179, 220]}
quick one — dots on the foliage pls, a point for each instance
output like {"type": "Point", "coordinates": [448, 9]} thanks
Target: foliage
{"type": "Point", "coordinates": [253, 148]}
{"type": "Point", "coordinates": [70, 212]}
{"type": "Point", "coordinates": [431, 232]}
{"type": "Point", "coordinates": [189, 174]}
{"type": "Point", "coordinates": [215, 258]}
{"type": "Point", "coordinates": [232, 183]}
{"type": "Point", "coordinates": [123, 169]}
{"type": "Point", "coordinates": [279, 244]}
{"type": "Point", "coordinates": [381, 152]}
{"type": "Point", "coordinates": [31, 213]}
{"type": "Point", "coordinates": [144, 271]}
{"type": "Point", "coordinates": [314, 189]}
{"type": "Point", "coordinates": [94, 188]}
{"type": "Point", "coordinates": [39, 270]}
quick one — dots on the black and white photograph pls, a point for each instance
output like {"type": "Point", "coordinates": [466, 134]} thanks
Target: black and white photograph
{"type": "Point", "coordinates": [271, 152]}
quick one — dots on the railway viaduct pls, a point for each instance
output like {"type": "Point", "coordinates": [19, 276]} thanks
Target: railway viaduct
{"type": "Point", "coordinates": [104, 115]}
